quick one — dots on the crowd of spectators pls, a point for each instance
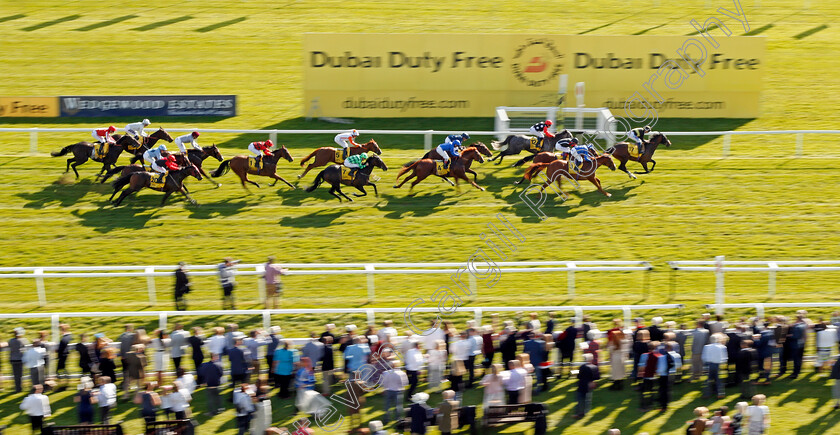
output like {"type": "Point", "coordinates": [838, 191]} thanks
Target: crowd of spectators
{"type": "Point", "coordinates": [510, 361]}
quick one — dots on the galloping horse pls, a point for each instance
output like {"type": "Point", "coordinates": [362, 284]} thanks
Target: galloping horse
{"type": "Point", "coordinates": [332, 175]}
{"type": "Point", "coordinates": [517, 143]}
{"type": "Point", "coordinates": [620, 151]}
{"type": "Point", "coordinates": [82, 152]}
{"type": "Point", "coordinates": [196, 158]}
{"type": "Point", "coordinates": [326, 155]}
{"type": "Point", "coordinates": [457, 168]}
{"type": "Point", "coordinates": [174, 182]}
{"type": "Point", "coordinates": [558, 168]}
{"type": "Point", "coordinates": [433, 154]}
{"type": "Point", "coordinates": [546, 157]}
{"type": "Point", "coordinates": [239, 165]}
{"type": "Point", "coordinates": [146, 143]}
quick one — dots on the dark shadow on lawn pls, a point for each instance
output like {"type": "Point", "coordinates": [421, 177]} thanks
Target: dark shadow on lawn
{"type": "Point", "coordinates": [12, 17]}
{"type": "Point", "coordinates": [420, 205]}
{"type": "Point", "coordinates": [317, 219]}
{"type": "Point", "coordinates": [218, 209]}
{"type": "Point", "coordinates": [212, 27]}
{"type": "Point", "coordinates": [106, 23]}
{"type": "Point", "coordinates": [51, 23]}
{"type": "Point", "coordinates": [130, 216]}
{"type": "Point", "coordinates": [159, 24]}
{"type": "Point", "coordinates": [810, 32]}
{"type": "Point", "coordinates": [64, 195]}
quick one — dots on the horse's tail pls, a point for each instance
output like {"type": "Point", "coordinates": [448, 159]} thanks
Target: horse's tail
{"type": "Point", "coordinates": [318, 180]}
{"type": "Point", "coordinates": [534, 170]}
{"type": "Point", "coordinates": [63, 151]}
{"type": "Point", "coordinates": [407, 168]}
{"type": "Point", "coordinates": [498, 145]}
{"type": "Point", "coordinates": [119, 183]}
{"type": "Point", "coordinates": [222, 169]}
{"type": "Point", "coordinates": [302, 162]}
{"type": "Point", "coordinates": [407, 164]}
{"type": "Point", "coordinates": [111, 173]}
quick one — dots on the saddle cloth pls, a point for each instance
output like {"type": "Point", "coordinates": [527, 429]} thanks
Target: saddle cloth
{"type": "Point", "coordinates": [633, 149]}
{"type": "Point", "coordinates": [439, 169]}
{"type": "Point", "coordinates": [158, 180]}
{"type": "Point", "coordinates": [533, 143]}
{"type": "Point", "coordinates": [338, 156]}
{"type": "Point", "coordinates": [345, 174]}
{"type": "Point", "coordinates": [252, 164]}
{"type": "Point", "coordinates": [97, 156]}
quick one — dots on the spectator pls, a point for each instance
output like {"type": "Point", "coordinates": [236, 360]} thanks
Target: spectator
{"type": "Point", "coordinates": [314, 350]}
{"type": "Point", "coordinates": [285, 359]}
{"type": "Point", "coordinates": [327, 365]}
{"type": "Point", "coordinates": [217, 343]}
{"type": "Point", "coordinates": [304, 381]}
{"type": "Point", "coordinates": [420, 413]}
{"type": "Point", "coordinates": [186, 379]}
{"type": "Point", "coordinates": [494, 389]}
{"type": "Point", "coordinates": [273, 285]}
{"type": "Point", "coordinates": [615, 347]}
{"type": "Point", "coordinates": [783, 344]}
{"type": "Point", "coordinates": [86, 399]}
{"type": "Point", "coordinates": [414, 362]}
{"type": "Point", "coordinates": [256, 339]}
{"type": "Point", "coordinates": [526, 393]}
{"type": "Point", "coordinates": [238, 357]}
{"type": "Point", "coordinates": [437, 357]}
{"type": "Point", "coordinates": [33, 361]}
{"type": "Point", "coordinates": [825, 342]}
{"type": "Point", "coordinates": [699, 339]}
{"type": "Point", "coordinates": [211, 373]}
{"type": "Point", "coordinates": [714, 354]}
{"type": "Point", "coordinates": [393, 383]}
{"type": "Point", "coordinates": [614, 432]}
{"type": "Point", "coordinates": [591, 345]}
{"type": "Point", "coordinates": [515, 381]}
{"type": "Point", "coordinates": [448, 413]}
{"type": "Point", "coordinates": [160, 359]}
{"type": "Point", "coordinates": [476, 344]}
{"type": "Point", "coordinates": [759, 415]}
{"type": "Point", "coordinates": [17, 345]}
{"type": "Point", "coordinates": [107, 366]}
{"type": "Point", "coordinates": [37, 407]}
{"type": "Point", "coordinates": [273, 341]}
{"type": "Point", "coordinates": [196, 343]}
{"type": "Point", "coordinates": [375, 428]}
{"type": "Point", "coordinates": [566, 343]}
{"type": "Point", "coordinates": [508, 345]}
{"type": "Point", "coordinates": [733, 347]}
{"type": "Point", "coordinates": [587, 375]}
{"type": "Point", "coordinates": [648, 364]}
{"type": "Point", "coordinates": [107, 399]}
{"type": "Point", "coordinates": [798, 338]}
{"type": "Point", "coordinates": [244, 400]}
{"type": "Point", "coordinates": [667, 367]}
{"type": "Point", "coordinates": [134, 369]}
{"type": "Point", "coordinates": [228, 282]}
{"type": "Point", "coordinates": [699, 424]}
{"type": "Point", "coordinates": [166, 400]}
{"type": "Point", "coordinates": [745, 359]}
{"type": "Point", "coordinates": [656, 332]}
{"type": "Point", "coordinates": [766, 347]}
{"type": "Point", "coordinates": [182, 286]}
{"type": "Point", "coordinates": [356, 354]}
{"type": "Point", "coordinates": [835, 389]}
{"type": "Point", "coordinates": [149, 402]}
{"type": "Point", "coordinates": [178, 342]}
{"type": "Point", "coordinates": [127, 339]}
{"type": "Point", "coordinates": [737, 423]}
{"type": "Point", "coordinates": [680, 336]}
{"type": "Point", "coordinates": [230, 335]}
{"type": "Point", "coordinates": [720, 421]}
{"type": "Point", "coordinates": [534, 346]}
{"type": "Point", "coordinates": [63, 351]}
{"type": "Point", "coordinates": [262, 416]}
{"type": "Point", "coordinates": [716, 326]}
{"type": "Point", "coordinates": [180, 401]}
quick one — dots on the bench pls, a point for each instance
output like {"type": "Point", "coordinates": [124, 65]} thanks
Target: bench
{"type": "Point", "coordinates": [179, 427]}
{"type": "Point", "coordinates": [93, 429]}
{"type": "Point", "coordinates": [510, 414]}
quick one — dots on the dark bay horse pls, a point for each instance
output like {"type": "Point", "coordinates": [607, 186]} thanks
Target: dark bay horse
{"type": "Point", "coordinates": [326, 155]}
{"type": "Point", "coordinates": [517, 143]}
{"type": "Point", "coordinates": [82, 153]}
{"type": "Point", "coordinates": [546, 157]}
{"type": "Point", "coordinates": [457, 168]}
{"type": "Point", "coordinates": [196, 157]}
{"type": "Point", "coordinates": [433, 154]}
{"type": "Point", "coordinates": [146, 143]}
{"type": "Point", "coordinates": [139, 180]}
{"type": "Point", "coordinates": [332, 175]}
{"type": "Point", "coordinates": [557, 169]}
{"type": "Point", "coordinates": [620, 152]}
{"type": "Point", "coordinates": [239, 165]}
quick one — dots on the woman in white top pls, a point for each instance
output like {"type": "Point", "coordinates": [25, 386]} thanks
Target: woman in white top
{"type": "Point", "coordinates": [437, 363]}
{"type": "Point", "coordinates": [262, 416]}
{"type": "Point", "coordinates": [494, 389]}
{"type": "Point", "coordinates": [180, 400]}
{"type": "Point", "coordinates": [187, 380]}
{"type": "Point", "coordinates": [525, 394]}
{"type": "Point", "coordinates": [759, 415]}
{"type": "Point", "coordinates": [161, 357]}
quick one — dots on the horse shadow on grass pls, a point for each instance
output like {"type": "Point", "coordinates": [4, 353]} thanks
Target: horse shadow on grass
{"type": "Point", "coordinates": [105, 220]}
{"type": "Point", "coordinates": [419, 205]}
{"type": "Point", "coordinates": [317, 219]}
{"type": "Point", "coordinates": [58, 193]}
{"type": "Point", "coordinates": [218, 209]}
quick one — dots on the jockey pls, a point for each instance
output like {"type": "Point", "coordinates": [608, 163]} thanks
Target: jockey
{"type": "Point", "coordinates": [346, 139]}
{"type": "Point", "coordinates": [165, 164]}
{"type": "Point", "coordinates": [187, 138]}
{"type": "Point", "coordinates": [638, 135]}
{"type": "Point", "coordinates": [135, 129]}
{"type": "Point", "coordinates": [565, 145]}
{"type": "Point", "coordinates": [540, 130]}
{"type": "Point", "coordinates": [154, 154]}
{"type": "Point", "coordinates": [579, 152]}
{"type": "Point", "coordinates": [445, 150]}
{"type": "Point", "coordinates": [453, 137]}
{"type": "Point", "coordinates": [261, 148]}
{"type": "Point", "coordinates": [103, 136]}
{"type": "Point", "coordinates": [355, 162]}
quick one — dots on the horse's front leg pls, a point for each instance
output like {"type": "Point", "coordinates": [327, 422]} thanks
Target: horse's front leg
{"type": "Point", "coordinates": [361, 189]}
{"type": "Point", "coordinates": [447, 180]}
{"type": "Point", "coordinates": [183, 191]}
{"type": "Point", "coordinates": [597, 182]}
{"type": "Point", "coordinates": [277, 177]}
{"type": "Point", "coordinates": [654, 164]}
{"type": "Point", "coordinates": [644, 166]}
{"type": "Point", "coordinates": [475, 175]}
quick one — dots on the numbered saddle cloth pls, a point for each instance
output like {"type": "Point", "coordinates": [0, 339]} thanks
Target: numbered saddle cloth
{"type": "Point", "coordinates": [345, 174]}
{"type": "Point", "coordinates": [439, 169]}
{"type": "Point", "coordinates": [253, 164]}
{"type": "Point", "coordinates": [533, 143]}
{"type": "Point", "coordinates": [158, 180]}
{"type": "Point", "coordinates": [99, 155]}
{"type": "Point", "coordinates": [633, 149]}
{"type": "Point", "coordinates": [339, 156]}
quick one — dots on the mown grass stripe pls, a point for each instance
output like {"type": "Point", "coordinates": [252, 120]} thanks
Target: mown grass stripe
{"type": "Point", "coordinates": [11, 17]}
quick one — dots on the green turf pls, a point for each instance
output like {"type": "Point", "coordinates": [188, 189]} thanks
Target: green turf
{"type": "Point", "coordinates": [695, 205]}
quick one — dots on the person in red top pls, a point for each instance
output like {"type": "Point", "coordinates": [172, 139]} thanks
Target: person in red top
{"type": "Point", "coordinates": [103, 136]}
{"type": "Point", "coordinates": [260, 149]}
{"type": "Point", "coordinates": [165, 164]}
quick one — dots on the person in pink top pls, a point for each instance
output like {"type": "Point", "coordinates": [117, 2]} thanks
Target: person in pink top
{"type": "Point", "coordinates": [273, 286]}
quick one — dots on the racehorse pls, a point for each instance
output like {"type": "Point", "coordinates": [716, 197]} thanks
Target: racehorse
{"type": "Point", "coordinates": [620, 152]}
{"type": "Point", "coordinates": [457, 168]}
{"type": "Point", "coordinates": [196, 158]}
{"type": "Point", "coordinates": [559, 168]}
{"type": "Point", "coordinates": [146, 143]}
{"type": "Point", "coordinates": [82, 152]}
{"type": "Point", "coordinates": [332, 175]}
{"type": "Point", "coordinates": [239, 165]}
{"type": "Point", "coordinates": [433, 154]}
{"type": "Point", "coordinates": [546, 157]}
{"type": "Point", "coordinates": [138, 180]}
{"type": "Point", "coordinates": [326, 155]}
{"type": "Point", "coordinates": [517, 143]}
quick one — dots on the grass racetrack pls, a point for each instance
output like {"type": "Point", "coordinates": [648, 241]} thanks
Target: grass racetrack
{"type": "Point", "coordinates": [758, 204]}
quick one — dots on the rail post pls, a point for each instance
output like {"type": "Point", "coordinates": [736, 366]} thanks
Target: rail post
{"type": "Point", "coordinates": [371, 316]}
{"type": "Point", "coordinates": [371, 285]}
{"type": "Point", "coordinates": [719, 290]}
{"type": "Point", "coordinates": [570, 277]}
{"type": "Point", "coordinates": [799, 140]}
{"type": "Point", "coordinates": [473, 286]}
{"type": "Point", "coordinates": [39, 285]}
{"type": "Point", "coordinates": [162, 318]}
{"type": "Point", "coordinates": [477, 312]}
{"type": "Point", "coordinates": [759, 310]}
{"type": "Point", "coordinates": [628, 316]}
{"type": "Point", "coordinates": [578, 316]}
{"type": "Point", "coordinates": [54, 322]}
{"type": "Point", "coordinates": [266, 315]}
{"type": "Point", "coordinates": [771, 279]}
{"type": "Point", "coordinates": [33, 140]}
{"type": "Point", "coordinates": [273, 137]}
{"type": "Point", "coordinates": [260, 282]}
{"type": "Point", "coordinates": [727, 139]}
{"type": "Point", "coordinates": [427, 140]}
{"type": "Point", "coordinates": [150, 283]}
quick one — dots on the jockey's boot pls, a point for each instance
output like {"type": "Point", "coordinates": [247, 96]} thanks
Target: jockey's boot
{"type": "Point", "coordinates": [345, 152]}
{"type": "Point", "coordinates": [259, 162]}
{"type": "Point", "coordinates": [353, 173]}
{"type": "Point", "coordinates": [446, 164]}
{"type": "Point", "coordinates": [641, 147]}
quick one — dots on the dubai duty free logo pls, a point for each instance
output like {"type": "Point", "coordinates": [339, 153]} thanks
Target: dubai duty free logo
{"type": "Point", "coordinates": [536, 62]}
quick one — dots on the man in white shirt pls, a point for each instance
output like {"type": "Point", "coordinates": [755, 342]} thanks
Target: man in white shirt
{"type": "Point", "coordinates": [387, 329]}
{"type": "Point", "coordinates": [33, 359]}
{"type": "Point", "coordinates": [476, 343]}
{"type": "Point", "coordinates": [515, 381]}
{"type": "Point", "coordinates": [243, 399]}
{"type": "Point", "coordinates": [178, 341]}
{"type": "Point", "coordinates": [107, 398]}
{"type": "Point", "coordinates": [36, 406]}
{"type": "Point", "coordinates": [414, 362]}
{"type": "Point", "coordinates": [217, 343]}
{"type": "Point", "coordinates": [714, 354]}
{"type": "Point", "coordinates": [393, 382]}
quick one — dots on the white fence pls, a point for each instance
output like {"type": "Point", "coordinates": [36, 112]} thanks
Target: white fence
{"type": "Point", "coordinates": [720, 266]}
{"type": "Point", "coordinates": [427, 134]}
{"type": "Point", "coordinates": [760, 307]}
{"type": "Point", "coordinates": [163, 316]}
{"type": "Point", "coordinates": [39, 274]}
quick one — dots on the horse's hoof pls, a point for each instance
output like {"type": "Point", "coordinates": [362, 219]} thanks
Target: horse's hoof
{"type": "Point", "coordinates": [482, 189]}
{"type": "Point", "coordinates": [300, 176]}
{"type": "Point", "coordinates": [396, 187]}
{"type": "Point", "coordinates": [218, 185]}
{"type": "Point", "coordinates": [609, 195]}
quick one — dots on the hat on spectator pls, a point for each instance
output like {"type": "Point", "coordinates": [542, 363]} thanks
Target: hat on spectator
{"type": "Point", "coordinates": [351, 328]}
{"type": "Point", "coordinates": [275, 329]}
{"type": "Point", "coordinates": [19, 331]}
{"type": "Point", "coordinates": [420, 398]}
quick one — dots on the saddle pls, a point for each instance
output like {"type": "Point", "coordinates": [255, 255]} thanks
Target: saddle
{"type": "Point", "coordinates": [439, 167]}
{"type": "Point", "coordinates": [345, 174]}
{"type": "Point", "coordinates": [633, 150]}
{"type": "Point", "coordinates": [98, 156]}
{"type": "Point", "coordinates": [157, 181]}
{"type": "Point", "coordinates": [253, 164]}
{"type": "Point", "coordinates": [533, 144]}
{"type": "Point", "coordinates": [339, 155]}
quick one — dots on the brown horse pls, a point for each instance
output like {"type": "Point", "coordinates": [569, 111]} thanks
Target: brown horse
{"type": "Point", "coordinates": [326, 155]}
{"type": "Point", "coordinates": [620, 152]}
{"type": "Point", "coordinates": [545, 158]}
{"type": "Point", "coordinates": [139, 180]}
{"type": "Point", "coordinates": [146, 143]}
{"type": "Point", "coordinates": [457, 168]}
{"type": "Point", "coordinates": [332, 175]}
{"type": "Point", "coordinates": [82, 153]}
{"type": "Point", "coordinates": [558, 169]}
{"type": "Point", "coordinates": [433, 154]}
{"type": "Point", "coordinates": [196, 157]}
{"type": "Point", "coordinates": [517, 143]}
{"type": "Point", "coordinates": [239, 165]}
